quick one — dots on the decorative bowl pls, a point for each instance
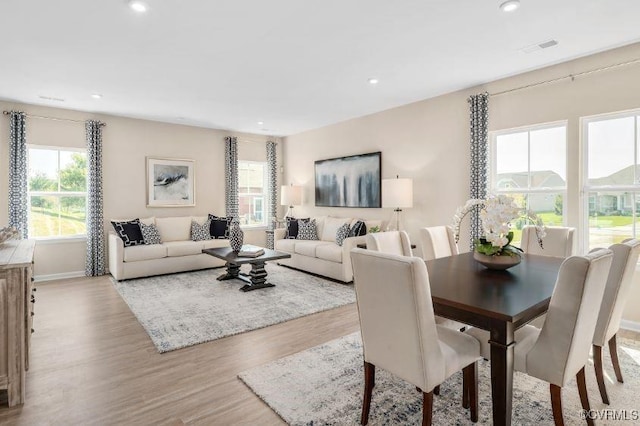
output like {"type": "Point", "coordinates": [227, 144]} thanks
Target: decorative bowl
{"type": "Point", "coordinates": [498, 263]}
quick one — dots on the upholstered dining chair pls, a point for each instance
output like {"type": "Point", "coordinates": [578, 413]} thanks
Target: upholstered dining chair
{"type": "Point", "coordinates": [394, 242]}
{"type": "Point", "coordinates": [437, 242]}
{"type": "Point", "coordinates": [558, 241]}
{"type": "Point", "coordinates": [560, 350]}
{"type": "Point", "coordinates": [625, 257]}
{"type": "Point", "coordinates": [399, 333]}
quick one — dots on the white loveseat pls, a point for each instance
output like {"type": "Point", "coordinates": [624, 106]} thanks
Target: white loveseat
{"type": "Point", "coordinates": [177, 253]}
{"type": "Point", "coordinates": [323, 256]}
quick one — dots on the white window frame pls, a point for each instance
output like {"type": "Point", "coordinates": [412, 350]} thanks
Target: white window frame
{"type": "Point", "coordinates": [58, 193]}
{"type": "Point", "coordinates": [584, 175]}
{"type": "Point", "coordinates": [493, 180]}
{"type": "Point", "coordinates": [264, 194]}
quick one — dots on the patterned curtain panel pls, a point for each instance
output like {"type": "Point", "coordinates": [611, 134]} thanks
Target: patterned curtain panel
{"type": "Point", "coordinates": [231, 175]}
{"type": "Point", "coordinates": [18, 202]}
{"type": "Point", "coordinates": [95, 263]}
{"type": "Point", "coordinates": [272, 171]}
{"type": "Point", "coordinates": [479, 105]}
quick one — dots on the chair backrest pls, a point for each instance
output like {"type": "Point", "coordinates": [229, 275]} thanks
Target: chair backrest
{"type": "Point", "coordinates": [557, 242]}
{"type": "Point", "coordinates": [396, 316]}
{"type": "Point", "coordinates": [437, 242]}
{"type": "Point", "coordinates": [625, 257]}
{"type": "Point", "coordinates": [393, 242]}
{"type": "Point", "coordinates": [562, 348]}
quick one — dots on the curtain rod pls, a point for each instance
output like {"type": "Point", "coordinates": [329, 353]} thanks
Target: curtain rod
{"type": "Point", "coordinates": [570, 76]}
{"type": "Point", "coordinates": [52, 118]}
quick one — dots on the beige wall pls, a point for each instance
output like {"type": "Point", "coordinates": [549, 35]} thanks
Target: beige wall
{"type": "Point", "coordinates": [428, 140]}
{"type": "Point", "coordinates": [126, 143]}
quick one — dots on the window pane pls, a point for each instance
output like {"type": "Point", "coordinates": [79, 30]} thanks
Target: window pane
{"type": "Point", "coordinates": [609, 220]}
{"type": "Point", "coordinates": [43, 169]}
{"type": "Point", "coordinates": [252, 193]}
{"type": "Point", "coordinates": [73, 171]}
{"type": "Point", "coordinates": [548, 158]}
{"type": "Point", "coordinates": [73, 215]}
{"type": "Point", "coordinates": [611, 151]}
{"type": "Point", "coordinates": [43, 217]}
{"type": "Point", "coordinates": [250, 178]}
{"type": "Point", "coordinates": [511, 161]}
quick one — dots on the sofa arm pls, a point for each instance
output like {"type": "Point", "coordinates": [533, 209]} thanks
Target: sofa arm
{"type": "Point", "coordinates": [279, 234]}
{"type": "Point", "coordinates": [349, 244]}
{"type": "Point", "coordinates": [116, 256]}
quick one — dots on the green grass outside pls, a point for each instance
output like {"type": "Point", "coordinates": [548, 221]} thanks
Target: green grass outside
{"type": "Point", "coordinates": [45, 223]}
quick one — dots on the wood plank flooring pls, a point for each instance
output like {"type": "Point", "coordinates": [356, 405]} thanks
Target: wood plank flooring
{"type": "Point", "coordinates": [93, 363]}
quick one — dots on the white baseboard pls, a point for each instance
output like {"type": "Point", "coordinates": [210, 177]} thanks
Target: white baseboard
{"type": "Point", "coordinates": [630, 325]}
{"type": "Point", "coordinates": [62, 276]}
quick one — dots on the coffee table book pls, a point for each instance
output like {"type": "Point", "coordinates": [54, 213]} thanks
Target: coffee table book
{"type": "Point", "coordinates": [249, 250]}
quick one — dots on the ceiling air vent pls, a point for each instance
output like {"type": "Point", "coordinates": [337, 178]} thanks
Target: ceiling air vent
{"type": "Point", "coordinates": [539, 46]}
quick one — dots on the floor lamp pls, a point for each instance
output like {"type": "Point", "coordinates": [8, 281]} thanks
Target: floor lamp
{"type": "Point", "coordinates": [398, 194]}
{"type": "Point", "coordinates": [290, 195]}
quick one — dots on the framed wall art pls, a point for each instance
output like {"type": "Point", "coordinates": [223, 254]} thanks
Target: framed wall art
{"type": "Point", "coordinates": [352, 181]}
{"type": "Point", "coordinates": [170, 182]}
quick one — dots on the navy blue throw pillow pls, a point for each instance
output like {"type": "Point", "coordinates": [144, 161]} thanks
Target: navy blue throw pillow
{"type": "Point", "coordinates": [292, 227]}
{"type": "Point", "coordinates": [358, 229]}
{"type": "Point", "coordinates": [129, 232]}
{"type": "Point", "coordinates": [219, 228]}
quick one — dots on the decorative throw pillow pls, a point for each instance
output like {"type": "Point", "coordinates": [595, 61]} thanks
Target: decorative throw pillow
{"type": "Point", "coordinates": [129, 232]}
{"type": "Point", "coordinates": [307, 230]}
{"type": "Point", "coordinates": [292, 227]}
{"type": "Point", "coordinates": [358, 229]}
{"type": "Point", "coordinates": [201, 232]}
{"type": "Point", "coordinates": [342, 233]}
{"type": "Point", "coordinates": [219, 228]}
{"type": "Point", "coordinates": [150, 233]}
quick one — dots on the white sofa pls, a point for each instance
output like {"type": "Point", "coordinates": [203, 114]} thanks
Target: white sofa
{"type": "Point", "coordinates": [177, 253]}
{"type": "Point", "coordinates": [323, 256]}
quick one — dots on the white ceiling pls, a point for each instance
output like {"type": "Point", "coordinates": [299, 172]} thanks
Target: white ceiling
{"type": "Point", "coordinates": [293, 64]}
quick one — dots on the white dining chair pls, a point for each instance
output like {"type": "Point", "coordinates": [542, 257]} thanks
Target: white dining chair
{"type": "Point", "coordinates": [558, 241]}
{"type": "Point", "coordinates": [437, 242]}
{"type": "Point", "coordinates": [394, 242]}
{"type": "Point", "coordinates": [625, 258]}
{"type": "Point", "coordinates": [560, 350]}
{"type": "Point", "coordinates": [399, 333]}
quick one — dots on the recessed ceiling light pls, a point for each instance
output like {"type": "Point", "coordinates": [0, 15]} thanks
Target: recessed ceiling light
{"type": "Point", "coordinates": [260, 123]}
{"type": "Point", "coordinates": [138, 5]}
{"type": "Point", "coordinates": [510, 5]}
{"type": "Point", "coordinates": [373, 81]}
{"type": "Point", "coordinates": [96, 96]}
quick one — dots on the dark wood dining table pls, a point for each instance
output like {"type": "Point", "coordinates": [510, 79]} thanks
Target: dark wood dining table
{"type": "Point", "coordinates": [497, 301]}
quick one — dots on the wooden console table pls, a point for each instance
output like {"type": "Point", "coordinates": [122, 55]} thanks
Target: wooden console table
{"type": "Point", "coordinates": [16, 310]}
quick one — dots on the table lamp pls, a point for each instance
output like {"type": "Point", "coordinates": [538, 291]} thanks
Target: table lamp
{"type": "Point", "coordinates": [291, 196]}
{"type": "Point", "coordinates": [398, 194]}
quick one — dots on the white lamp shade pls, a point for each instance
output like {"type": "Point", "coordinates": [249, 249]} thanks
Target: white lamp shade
{"type": "Point", "coordinates": [397, 193]}
{"type": "Point", "coordinates": [290, 195]}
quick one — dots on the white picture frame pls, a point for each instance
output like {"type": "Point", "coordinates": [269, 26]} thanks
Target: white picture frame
{"type": "Point", "coordinates": [171, 182]}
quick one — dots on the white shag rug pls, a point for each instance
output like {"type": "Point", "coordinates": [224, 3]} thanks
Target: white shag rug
{"type": "Point", "coordinates": [186, 309]}
{"type": "Point", "coordinates": [324, 386]}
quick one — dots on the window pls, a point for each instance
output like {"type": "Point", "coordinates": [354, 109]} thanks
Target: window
{"type": "Point", "coordinates": [252, 193]}
{"type": "Point", "coordinates": [530, 165]}
{"type": "Point", "coordinates": [611, 191]}
{"type": "Point", "coordinates": [57, 192]}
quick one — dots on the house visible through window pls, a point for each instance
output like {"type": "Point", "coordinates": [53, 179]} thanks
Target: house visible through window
{"type": "Point", "coordinates": [611, 200]}
{"type": "Point", "coordinates": [530, 165]}
{"type": "Point", "coordinates": [57, 192]}
{"type": "Point", "coordinates": [252, 193]}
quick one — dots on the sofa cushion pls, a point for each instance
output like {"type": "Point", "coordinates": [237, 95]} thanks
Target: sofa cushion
{"type": "Point", "coordinates": [308, 248]}
{"type": "Point", "coordinates": [144, 252]}
{"type": "Point", "coordinates": [330, 252]}
{"type": "Point", "coordinates": [286, 245]}
{"type": "Point", "coordinates": [219, 227]}
{"type": "Point", "coordinates": [320, 224]}
{"type": "Point", "coordinates": [174, 228]}
{"type": "Point", "coordinates": [331, 225]}
{"type": "Point", "coordinates": [150, 233]}
{"type": "Point", "coordinates": [183, 248]}
{"type": "Point", "coordinates": [129, 232]}
{"type": "Point", "coordinates": [307, 230]}
{"type": "Point", "coordinates": [215, 243]}
{"type": "Point", "coordinates": [200, 220]}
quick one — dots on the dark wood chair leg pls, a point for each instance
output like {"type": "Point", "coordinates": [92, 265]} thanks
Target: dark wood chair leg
{"type": "Point", "coordinates": [436, 390]}
{"type": "Point", "coordinates": [470, 389]}
{"type": "Point", "coordinates": [427, 408]}
{"type": "Point", "coordinates": [597, 365]}
{"type": "Point", "coordinates": [613, 350]}
{"type": "Point", "coordinates": [582, 390]}
{"type": "Point", "coordinates": [556, 404]}
{"type": "Point", "coordinates": [369, 383]}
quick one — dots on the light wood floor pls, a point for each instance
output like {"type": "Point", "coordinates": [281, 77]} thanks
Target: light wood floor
{"type": "Point", "coordinates": [93, 363]}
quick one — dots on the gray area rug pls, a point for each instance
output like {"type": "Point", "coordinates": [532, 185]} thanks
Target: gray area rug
{"type": "Point", "coordinates": [180, 310]}
{"type": "Point", "coordinates": [324, 385]}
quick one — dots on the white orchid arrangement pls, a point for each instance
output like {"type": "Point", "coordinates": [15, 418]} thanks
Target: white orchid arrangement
{"type": "Point", "coordinates": [498, 211]}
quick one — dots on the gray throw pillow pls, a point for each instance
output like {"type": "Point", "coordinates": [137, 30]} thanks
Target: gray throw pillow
{"type": "Point", "coordinates": [150, 233]}
{"type": "Point", "coordinates": [307, 230]}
